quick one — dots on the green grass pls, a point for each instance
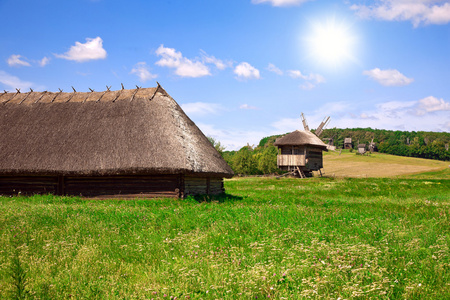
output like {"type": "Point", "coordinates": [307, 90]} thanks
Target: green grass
{"type": "Point", "coordinates": [314, 238]}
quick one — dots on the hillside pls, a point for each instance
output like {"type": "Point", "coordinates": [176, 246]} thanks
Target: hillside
{"type": "Point", "coordinates": [423, 144]}
{"type": "Point", "coordinates": [430, 149]}
{"type": "Point", "coordinates": [349, 164]}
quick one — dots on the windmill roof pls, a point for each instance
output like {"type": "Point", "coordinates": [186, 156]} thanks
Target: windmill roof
{"type": "Point", "coordinates": [298, 138]}
{"type": "Point", "coordinates": [139, 131]}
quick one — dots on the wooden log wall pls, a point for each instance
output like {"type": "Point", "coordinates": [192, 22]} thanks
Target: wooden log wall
{"type": "Point", "coordinates": [28, 185]}
{"type": "Point", "coordinates": [203, 185]}
{"type": "Point", "coordinates": [123, 186]}
{"type": "Point", "coordinates": [93, 186]}
{"type": "Point", "coordinates": [314, 159]}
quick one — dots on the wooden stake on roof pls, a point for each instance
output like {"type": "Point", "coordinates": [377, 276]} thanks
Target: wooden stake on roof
{"type": "Point", "coordinates": [40, 97]}
{"type": "Point", "coordinates": [137, 89]}
{"type": "Point", "coordinates": [118, 94]}
{"type": "Point", "coordinates": [18, 92]}
{"type": "Point", "coordinates": [28, 94]}
{"type": "Point", "coordinates": [60, 91]}
{"type": "Point", "coordinates": [73, 94]}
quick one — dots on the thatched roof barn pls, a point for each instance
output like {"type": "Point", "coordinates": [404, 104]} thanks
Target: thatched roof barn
{"type": "Point", "coordinates": [300, 151]}
{"type": "Point", "coordinates": [125, 143]}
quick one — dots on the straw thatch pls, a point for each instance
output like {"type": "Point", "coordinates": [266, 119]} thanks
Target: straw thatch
{"type": "Point", "coordinates": [141, 131]}
{"type": "Point", "coordinates": [300, 138]}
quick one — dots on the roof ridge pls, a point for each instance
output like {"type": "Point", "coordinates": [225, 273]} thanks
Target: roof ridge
{"type": "Point", "coordinates": [47, 97]}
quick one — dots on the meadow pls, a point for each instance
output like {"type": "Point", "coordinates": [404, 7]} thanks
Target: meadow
{"type": "Point", "coordinates": [330, 238]}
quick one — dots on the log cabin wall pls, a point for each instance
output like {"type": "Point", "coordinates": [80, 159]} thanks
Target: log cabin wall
{"type": "Point", "coordinates": [28, 185]}
{"type": "Point", "coordinates": [123, 187]}
{"type": "Point", "coordinates": [194, 185]}
{"type": "Point", "coordinates": [108, 187]}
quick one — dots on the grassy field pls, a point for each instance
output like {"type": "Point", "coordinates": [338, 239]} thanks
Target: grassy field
{"type": "Point", "coordinates": [349, 164]}
{"type": "Point", "coordinates": [331, 238]}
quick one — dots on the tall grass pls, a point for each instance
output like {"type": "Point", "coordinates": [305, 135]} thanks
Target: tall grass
{"type": "Point", "coordinates": [266, 238]}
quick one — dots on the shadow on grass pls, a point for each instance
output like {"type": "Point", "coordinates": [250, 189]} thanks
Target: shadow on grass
{"type": "Point", "coordinates": [220, 198]}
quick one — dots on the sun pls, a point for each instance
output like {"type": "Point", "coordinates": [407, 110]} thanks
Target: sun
{"type": "Point", "coordinates": [331, 42]}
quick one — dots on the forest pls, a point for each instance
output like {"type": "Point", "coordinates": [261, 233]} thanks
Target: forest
{"type": "Point", "coordinates": [262, 158]}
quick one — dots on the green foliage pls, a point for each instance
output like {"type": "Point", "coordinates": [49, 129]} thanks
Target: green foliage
{"type": "Point", "coordinates": [263, 158]}
{"type": "Point", "coordinates": [267, 162]}
{"type": "Point", "coordinates": [294, 239]}
{"type": "Point", "coordinates": [244, 161]}
{"type": "Point", "coordinates": [421, 144]}
{"type": "Point", "coordinates": [219, 147]}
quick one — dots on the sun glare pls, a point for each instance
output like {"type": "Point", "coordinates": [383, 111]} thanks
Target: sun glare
{"type": "Point", "coordinates": [331, 43]}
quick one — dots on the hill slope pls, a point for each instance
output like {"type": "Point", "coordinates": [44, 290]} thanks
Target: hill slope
{"type": "Point", "coordinates": [349, 164]}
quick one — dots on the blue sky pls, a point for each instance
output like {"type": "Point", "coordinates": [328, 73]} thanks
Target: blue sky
{"type": "Point", "coordinates": [244, 69]}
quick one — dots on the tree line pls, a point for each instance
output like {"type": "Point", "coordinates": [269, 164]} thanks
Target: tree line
{"type": "Point", "coordinates": [262, 159]}
{"type": "Point", "coordinates": [422, 144]}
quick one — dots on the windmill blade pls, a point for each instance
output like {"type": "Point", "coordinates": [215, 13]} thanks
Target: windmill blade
{"type": "Point", "coordinates": [305, 125]}
{"type": "Point", "coordinates": [321, 126]}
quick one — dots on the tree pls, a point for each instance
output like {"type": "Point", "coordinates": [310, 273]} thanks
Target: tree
{"type": "Point", "coordinates": [244, 162]}
{"type": "Point", "coordinates": [267, 162]}
{"type": "Point", "coordinates": [219, 147]}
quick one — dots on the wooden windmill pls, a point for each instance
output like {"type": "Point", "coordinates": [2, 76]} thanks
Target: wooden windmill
{"type": "Point", "coordinates": [300, 152]}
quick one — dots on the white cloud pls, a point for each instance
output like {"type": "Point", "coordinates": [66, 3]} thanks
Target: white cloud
{"type": "Point", "coordinates": [16, 61]}
{"type": "Point", "coordinates": [201, 108]}
{"type": "Point", "coordinates": [274, 69]}
{"type": "Point", "coordinates": [416, 11]}
{"type": "Point", "coordinates": [141, 70]}
{"type": "Point", "coordinates": [183, 66]}
{"type": "Point", "coordinates": [44, 61]}
{"type": "Point", "coordinates": [389, 77]}
{"type": "Point", "coordinates": [287, 125]}
{"type": "Point", "coordinates": [312, 80]}
{"type": "Point", "coordinates": [280, 2]}
{"type": "Point", "coordinates": [428, 114]}
{"type": "Point", "coordinates": [246, 71]}
{"type": "Point", "coordinates": [14, 82]}
{"type": "Point", "coordinates": [431, 104]}
{"type": "Point", "coordinates": [234, 138]}
{"type": "Point", "coordinates": [307, 86]}
{"type": "Point", "coordinates": [246, 106]}
{"type": "Point", "coordinates": [209, 59]}
{"type": "Point", "coordinates": [313, 77]}
{"type": "Point", "coordinates": [91, 50]}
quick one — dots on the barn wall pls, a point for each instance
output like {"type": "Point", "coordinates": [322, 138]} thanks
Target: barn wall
{"type": "Point", "coordinates": [123, 186]}
{"type": "Point", "coordinates": [93, 186]}
{"type": "Point", "coordinates": [194, 185]}
{"type": "Point", "coordinates": [28, 185]}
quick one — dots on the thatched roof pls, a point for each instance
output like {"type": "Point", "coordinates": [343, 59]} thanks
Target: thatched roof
{"type": "Point", "coordinates": [347, 140]}
{"type": "Point", "coordinates": [140, 131]}
{"type": "Point", "coordinates": [300, 138]}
